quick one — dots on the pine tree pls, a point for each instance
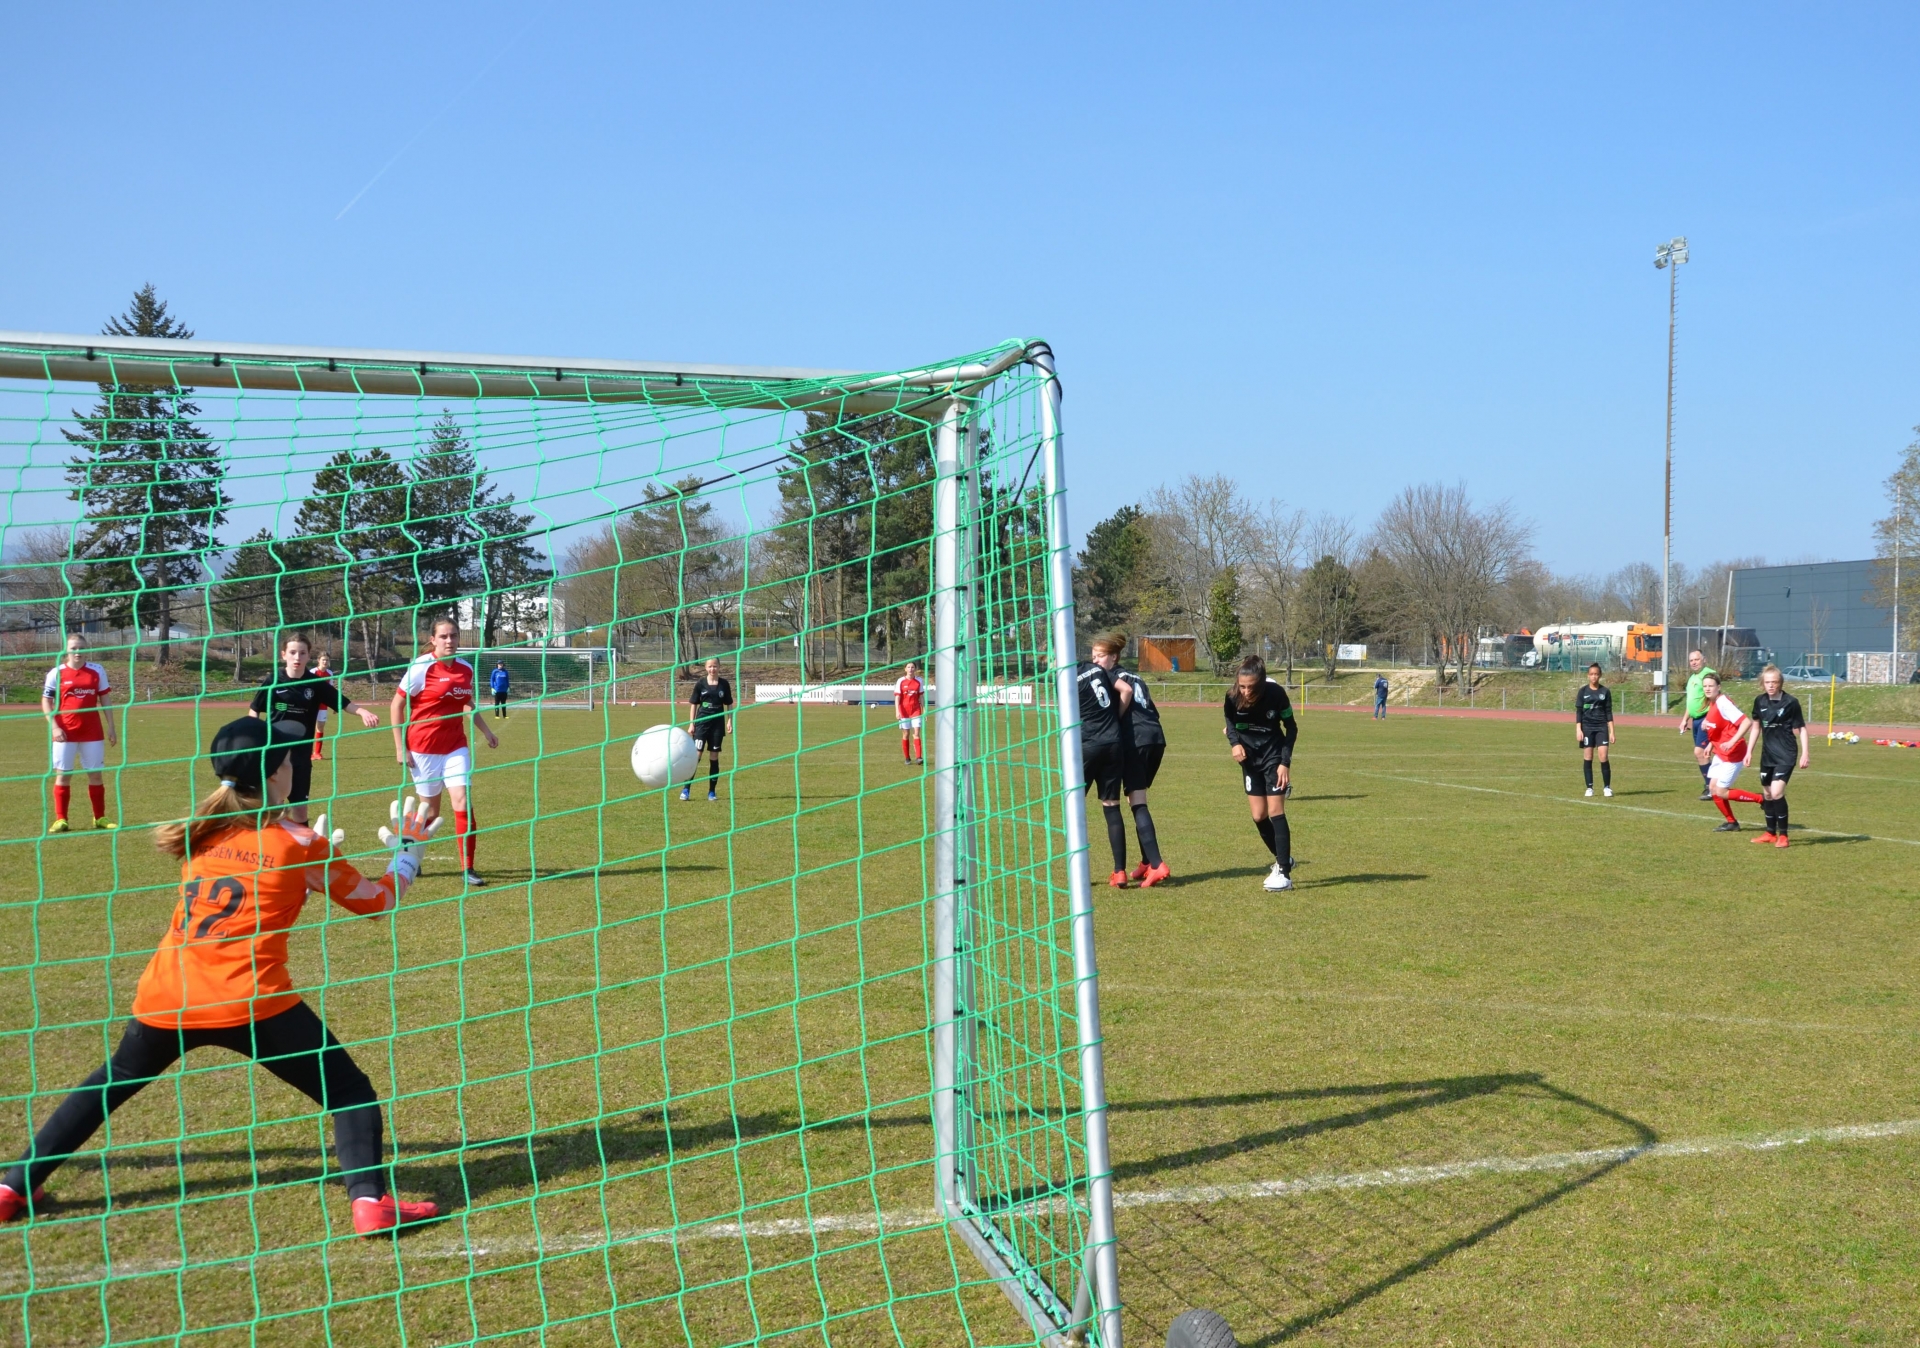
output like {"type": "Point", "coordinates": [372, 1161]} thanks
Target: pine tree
{"type": "Point", "coordinates": [445, 491]}
{"type": "Point", "coordinates": [1224, 637]}
{"type": "Point", "coordinates": [247, 599]}
{"type": "Point", "coordinates": [352, 556]}
{"type": "Point", "coordinates": [151, 487]}
{"type": "Point", "coordinates": [510, 563]}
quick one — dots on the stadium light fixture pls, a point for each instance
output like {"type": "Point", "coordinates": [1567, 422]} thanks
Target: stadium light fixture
{"type": "Point", "coordinates": [1668, 257]}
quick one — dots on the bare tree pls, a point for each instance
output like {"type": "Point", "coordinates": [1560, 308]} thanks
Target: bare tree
{"type": "Point", "coordinates": [1200, 528]}
{"type": "Point", "coordinates": [1450, 563]}
{"type": "Point", "coordinates": [41, 583]}
{"type": "Point", "coordinates": [1270, 575]}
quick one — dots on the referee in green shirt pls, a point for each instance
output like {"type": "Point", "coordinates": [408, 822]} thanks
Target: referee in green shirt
{"type": "Point", "coordinates": [1695, 718]}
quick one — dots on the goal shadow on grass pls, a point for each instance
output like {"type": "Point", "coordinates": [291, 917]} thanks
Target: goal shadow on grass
{"type": "Point", "coordinates": [1289, 1228]}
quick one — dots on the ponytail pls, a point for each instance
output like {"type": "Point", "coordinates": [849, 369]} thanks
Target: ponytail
{"type": "Point", "coordinates": [220, 811]}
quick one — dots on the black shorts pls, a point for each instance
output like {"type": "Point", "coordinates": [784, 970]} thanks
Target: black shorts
{"type": "Point", "coordinates": [499, 699]}
{"type": "Point", "coordinates": [1261, 776]}
{"type": "Point", "coordinates": [1594, 737]}
{"type": "Point", "coordinates": [1770, 775]}
{"type": "Point", "coordinates": [709, 735]}
{"type": "Point", "coordinates": [1143, 765]}
{"type": "Point", "coordinates": [1105, 768]}
{"type": "Point", "coordinates": [301, 757]}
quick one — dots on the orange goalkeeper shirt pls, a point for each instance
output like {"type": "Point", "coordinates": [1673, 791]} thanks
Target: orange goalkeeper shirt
{"type": "Point", "coordinates": [223, 960]}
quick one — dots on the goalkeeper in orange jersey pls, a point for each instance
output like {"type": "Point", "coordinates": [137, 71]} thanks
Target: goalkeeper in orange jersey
{"type": "Point", "coordinates": [220, 979]}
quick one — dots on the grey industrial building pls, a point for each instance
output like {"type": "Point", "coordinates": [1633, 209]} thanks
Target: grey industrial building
{"type": "Point", "coordinates": [1785, 604]}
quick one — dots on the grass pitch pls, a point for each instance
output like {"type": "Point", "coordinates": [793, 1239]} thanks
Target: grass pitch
{"type": "Point", "coordinates": [1508, 1067]}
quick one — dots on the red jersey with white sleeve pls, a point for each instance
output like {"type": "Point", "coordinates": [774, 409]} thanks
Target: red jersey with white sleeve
{"type": "Point", "coordinates": [1726, 728]}
{"type": "Point", "coordinates": [440, 697]}
{"type": "Point", "coordinates": [908, 694]}
{"type": "Point", "coordinates": [76, 695]}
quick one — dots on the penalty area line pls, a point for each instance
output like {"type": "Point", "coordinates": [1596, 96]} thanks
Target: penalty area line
{"type": "Point", "coordinates": [49, 1276]}
{"type": "Point", "coordinates": [1599, 804]}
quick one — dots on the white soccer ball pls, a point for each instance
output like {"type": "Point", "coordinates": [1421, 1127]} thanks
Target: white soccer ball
{"type": "Point", "coordinates": [664, 755]}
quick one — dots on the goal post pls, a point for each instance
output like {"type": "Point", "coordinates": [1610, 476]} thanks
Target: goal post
{"type": "Point", "coordinates": [821, 1060]}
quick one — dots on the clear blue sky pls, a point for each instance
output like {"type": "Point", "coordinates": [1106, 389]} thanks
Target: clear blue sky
{"type": "Point", "coordinates": [1329, 250]}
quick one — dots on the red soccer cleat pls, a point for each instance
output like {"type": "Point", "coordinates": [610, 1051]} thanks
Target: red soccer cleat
{"type": "Point", "coordinates": [1118, 879]}
{"type": "Point", "coordinates": [14, 1204]}
{"type": "Point", "coordinates": [371, 1216]}
{"type": "Point", "coordinates": [1156, 875]}
{"type": "Point", "coordinates": [1139, 873]}
{"type": "Point", "coordinates": [1764, 838]}
{"type": "Point", "coordinates": [1780, 840]}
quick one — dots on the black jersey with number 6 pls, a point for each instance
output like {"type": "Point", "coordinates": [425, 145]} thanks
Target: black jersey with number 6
{"type": "Point", "coordinates": [1099, 707]}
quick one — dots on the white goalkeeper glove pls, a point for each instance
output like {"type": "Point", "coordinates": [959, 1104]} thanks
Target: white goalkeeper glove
{"type": "Point", "coordinates": [409, 836]}
{"type": "Point", "coordinates": [338, 837]}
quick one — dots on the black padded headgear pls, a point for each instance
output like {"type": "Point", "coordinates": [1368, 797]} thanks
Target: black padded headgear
{"type": "Point", "coordinates": [246, 752]}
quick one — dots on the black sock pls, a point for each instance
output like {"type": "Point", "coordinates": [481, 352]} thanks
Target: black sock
{"type": "Point", "coordinates": [1703, 773]}
{"type": "Point", "coordinates": [1149, 840]}
{"type": "Point", "coordinates": [1116, 835]}
{"type": "Point", "coordinates": [1606, 774]}
{"type": "Point", "coordinates": [1586, 766]}
{"type": "Point", "coordinates": [357, 1142]}
{"type": "Point", "coordinates": [1283, 843]}
{"type": "Point", "coordinates": [1266, 834]}
{"type": "Point", "coordinates": [713, 774]}
{"type": "Point", "coordinates": [1782, 830]}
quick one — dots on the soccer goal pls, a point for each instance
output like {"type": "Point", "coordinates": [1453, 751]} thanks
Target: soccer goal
{"type": "Point", "coordinates": [815, 1060]}
{"type": "Point", "coordinates": [548, 676]}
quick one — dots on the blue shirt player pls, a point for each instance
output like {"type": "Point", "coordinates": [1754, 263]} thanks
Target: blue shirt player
{"type": "Point", "coordinates": [1380, 698]}
{"type": "Point", "coordinates": [499, 681]}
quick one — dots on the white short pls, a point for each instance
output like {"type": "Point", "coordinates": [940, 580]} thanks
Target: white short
{"type": "Point", "coordinates": [433, 771]}
{"type": "Point", "coordinates": [910, 722]}
{"type": "Point", "coordinates": [1722, 773]}
{"type": "Point", "coordinates": [73, 755]}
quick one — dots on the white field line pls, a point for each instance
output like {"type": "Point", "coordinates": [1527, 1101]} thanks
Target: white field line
{"type": "Point", "coordinates": [1544, 1009]}
{"type": "Point", "coordinates": [1408, 1176]}
{"type": "Point", "coordinates": [1601, 803]}
{"type": "Point", "coordinates": [1811, 771]}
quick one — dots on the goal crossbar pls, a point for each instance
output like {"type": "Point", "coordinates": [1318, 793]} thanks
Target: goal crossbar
{"type": "Point", "coordinates": [162, 362]}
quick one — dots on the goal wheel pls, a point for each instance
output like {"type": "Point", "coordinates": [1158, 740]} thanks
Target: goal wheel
{"type": "Point", "coordinates": [1200, 1329]}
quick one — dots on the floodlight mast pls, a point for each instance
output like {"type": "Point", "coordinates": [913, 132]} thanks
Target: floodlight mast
{"type": "Point", "coordinates": [1668, 256]}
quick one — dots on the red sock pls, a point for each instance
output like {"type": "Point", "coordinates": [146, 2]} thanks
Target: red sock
{"type": "Point", "coordinates": [916, 746]}
{"type": "Point", "coordinates": [905, 753]}
{"type": "Point", "coordinates": [463, 836]}
{"type": "Point", "coordinates": [1720, 804]}
{"type": "Point", "coordinates": [1746, 796]}
{"type": "Point", "coordinates": [62, 798]}
{"type": "Point", "coordinates": [98, 795]}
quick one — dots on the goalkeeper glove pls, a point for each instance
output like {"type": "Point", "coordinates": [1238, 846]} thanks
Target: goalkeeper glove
{"type": "Point", "coordinates": [409, 836]}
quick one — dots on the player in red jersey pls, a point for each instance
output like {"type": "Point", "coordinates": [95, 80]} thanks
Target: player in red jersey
{"type": "Point", "coordinates": [75, 694]}
{"type": "Point", "coordinates": [909, 702]}
{"type": "Point", "coordinates": [325, 672]}
{"type": "Point", "coordinates": [435, 694]}
{"type": "Point", "coordinates": [1726, 726]}
{"type": "Point", "coordinates": [219, 978]}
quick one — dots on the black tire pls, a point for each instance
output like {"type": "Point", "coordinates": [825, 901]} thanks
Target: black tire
{"type": "Point", "coordinates": [1200, 1329]}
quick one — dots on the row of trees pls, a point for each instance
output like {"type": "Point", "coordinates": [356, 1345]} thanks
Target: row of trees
{"type": "Point", "coordinates": [844, 559]}
{"type": "Point", "coordinates": [1431, 573]}
{"type": "Point", "coordinates": [379, 542]}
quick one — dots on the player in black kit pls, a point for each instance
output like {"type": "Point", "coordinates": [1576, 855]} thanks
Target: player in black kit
{"type": "Point", "coordinates": [1593, 729]}
{"type": "Point", "coordinates": [1146, 746]}
{"type": "Point", "coordinates": [1782, 731]}
{"type": "Point", "coordinates": [708, 723]}
{"type": "Point", "coordinates": [1104, 741]}
{"type": "Point", "coordinates": [295, 693]}
{"type": "Point", "coordinates": [1261, 731]}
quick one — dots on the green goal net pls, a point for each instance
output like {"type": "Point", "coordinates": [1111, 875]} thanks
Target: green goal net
{"type": "Point", "coordinates": [806, 1048]}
